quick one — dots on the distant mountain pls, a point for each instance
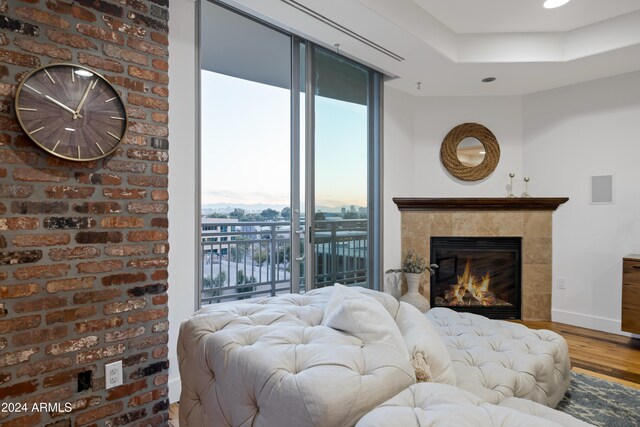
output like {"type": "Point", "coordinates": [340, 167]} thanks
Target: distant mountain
{"type": "Point", "coordinates": [259, 207]}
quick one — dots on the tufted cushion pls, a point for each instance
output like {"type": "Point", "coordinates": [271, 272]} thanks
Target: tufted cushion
{"type": "Point", "coordinates": [496, 359]}
{"type": "Point", "coordinates": [269, 364]}
{"type": "Point", "coordinates": [430, 404]}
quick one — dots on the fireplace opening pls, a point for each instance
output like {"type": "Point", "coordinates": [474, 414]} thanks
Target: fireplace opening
{"type": "Point", "coordinates": [479, 275]}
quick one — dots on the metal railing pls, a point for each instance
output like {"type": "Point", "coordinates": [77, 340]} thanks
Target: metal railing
{"type": "Point", "coordinates": [253, 259]}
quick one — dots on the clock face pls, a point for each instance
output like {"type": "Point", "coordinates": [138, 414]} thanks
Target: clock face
{"type": "Point", "coordinates": [71, 112]}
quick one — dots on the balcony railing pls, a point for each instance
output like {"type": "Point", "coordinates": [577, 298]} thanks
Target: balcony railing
{"type": "Point", "coordinates": [252, 259]}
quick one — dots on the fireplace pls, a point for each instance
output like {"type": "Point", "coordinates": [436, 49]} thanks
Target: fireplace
{"type": "Point", "coordinates": [479, 275]}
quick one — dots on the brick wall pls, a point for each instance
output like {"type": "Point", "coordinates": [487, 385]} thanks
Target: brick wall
{"type": "Point", "coordinates": [83, 246]}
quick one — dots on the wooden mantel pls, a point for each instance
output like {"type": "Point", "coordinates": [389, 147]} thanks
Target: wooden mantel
{"type": "Point", "coordinates": [479, 203]}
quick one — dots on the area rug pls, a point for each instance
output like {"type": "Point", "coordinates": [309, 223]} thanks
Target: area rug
{"type": "Point", "coordinates": [601, 403]}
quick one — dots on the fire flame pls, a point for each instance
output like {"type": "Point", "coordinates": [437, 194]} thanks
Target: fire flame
{"type": "Point", "coordinates": [478, 288]}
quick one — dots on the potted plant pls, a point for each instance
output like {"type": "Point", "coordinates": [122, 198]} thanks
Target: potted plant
{"type": "Point", "coordinates": [412, 267]}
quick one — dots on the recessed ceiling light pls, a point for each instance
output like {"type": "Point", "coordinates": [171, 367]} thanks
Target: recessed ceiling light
{"type": "Point", "coordinates": [488, 79]}
{"type": "Point", "coordinates": [551, 4]}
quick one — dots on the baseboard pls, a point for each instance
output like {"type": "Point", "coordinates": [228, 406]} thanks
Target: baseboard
{"type": "Point", "coordinates": [174, 390]}
{"type": "Point", "coordinates": [603, 324]}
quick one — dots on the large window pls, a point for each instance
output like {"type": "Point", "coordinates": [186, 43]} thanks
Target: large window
{"type": "Point", "coordinates": [289, 162]}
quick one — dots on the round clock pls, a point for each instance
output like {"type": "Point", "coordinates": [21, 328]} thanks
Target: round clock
{"type": "Point", "coordinates": [71, 112]}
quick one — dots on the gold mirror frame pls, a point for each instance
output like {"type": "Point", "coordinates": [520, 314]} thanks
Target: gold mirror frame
{"type": "Point", "coordinates": [449, 154]}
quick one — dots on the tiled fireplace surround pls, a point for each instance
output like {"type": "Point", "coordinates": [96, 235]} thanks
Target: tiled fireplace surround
{"type": "Point", "coordinates": [483, 217]}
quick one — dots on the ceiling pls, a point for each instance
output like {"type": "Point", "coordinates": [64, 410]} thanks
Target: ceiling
{"type": "Point", "coordinates": [450, 45]}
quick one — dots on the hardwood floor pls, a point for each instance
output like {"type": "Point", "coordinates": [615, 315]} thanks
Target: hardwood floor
{"type": "Point", "coordinates": [611, 357]}
{"type": "Point", "coordinates": [595, 352]}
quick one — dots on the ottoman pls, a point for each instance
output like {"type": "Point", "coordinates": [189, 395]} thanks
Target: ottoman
{"type": "Point", "coordinates": [496, 359]}
{"type": "Point", "coordinates": [432, 404]}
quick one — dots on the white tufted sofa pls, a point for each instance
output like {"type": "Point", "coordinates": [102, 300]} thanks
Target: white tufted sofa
{"type": "Point", "coordinates": [273, 363]}
{"type": "Point", "coordinates": [496, 359]}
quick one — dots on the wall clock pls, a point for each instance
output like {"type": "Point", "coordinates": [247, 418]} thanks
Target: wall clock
{"type": "Point", "coordinates": [71, 112]}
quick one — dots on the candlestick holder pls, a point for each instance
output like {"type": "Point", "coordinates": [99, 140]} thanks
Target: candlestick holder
{"type": "Point", "coordinates": [526, 182]}
{"type": "Point", "coordinates": [511, 195]}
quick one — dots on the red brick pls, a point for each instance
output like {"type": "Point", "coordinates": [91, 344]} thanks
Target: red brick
{"type": "Point", "coordinates": [160, 222]}
{"type": "Point", "coordinates": [99, 413]}
{"type": "Point", "coordinates": [68, 192]}
{"type": "Point", "coordinates": [122, 222]}
{"type": "Point", "coordinates": [159, 275]}
{"type": "Point", "coordinates": [70, 39]}
{"type": "Point", "coordinates": [54, 286]}
{"type": "Point", "coordinates": [126, 390]}
{"type": "Point", "coordinates": [79, 252]}
{"type": "Point", "coordinates": [18, 157]}
{"type": "Point", "coordinates": [148, 181]}
{"type": "Point", "coordinates": [39, 336]}
{"type": "Point", "coordinates": [148, 129]}
{"type": "Point", "coordinates": [15, 191]}
{"type": "Point", "coordinates": [148, 263]}
{"type": "Point", "coordinates": [98, 178]}
{"type": "Point", "coordinates": [98, 208]}
{"type": "Point", "coordinates": [160, 327]}
{"type": "Point", "coordinates": [96, 296]}
{"type": "Point", "coordinates": [149, 396]}
{"type": "Point", "coordinates": [17, 357]}
{"type": "Point", "coordinates": [160, 90]}
{"type": "Point", "coordinates": [68, 164]}
{"type": "Point", "coordinates": [124, 334]}
{"type": "Point", "coordinates": [148, 102]}
{"type": "Point", "coordinates": [5, 378]}
{"type": "Point", "coordinates": [71, 345]}
{"type": "Point", "coordinates": [153, 155]}
{"type": "Point", "coordinates": [57, 395]}
{"type": "Point", "coordinates": [34, 208]}
{"type": "Point", "coordinates": [121, 307]}
{"type": "Point", "coordinates": [135, 113]}
{"type": "Point", "coordinates": [160, 299]}
{"type": "Point", "coordinates": [145, 316]}
{"type": "Point", "coordinates": [53, 239]}
{"type": "Point", "coordinates": [99, 325]}
{"type": "Point", "coordinates": [152, 341]}
{"type": "Point", "coordinates": [39, 304]}
{"type": "Point", "coordinates": [44, 271]}
{"type": "Point", "coordinates": [19, 389]}
{"type": "Point", "coordinates": [19, 223]}
{"type": "Point", "coordinates": [100, 34]}
{"type": "Point", "coordinates": [42, 17]}
{"type": "Point", "coordinates": [70, 314]}
{"type": "Point", "coordinates": [118, 25]}
{"type": "Point", "coordinates": [6, 89]}
{"type": "Point", "coordinates": [161, 248]}
{"type": "Point", "coordinates": [62, 377]}
{"type": "Point", "coordinates": [101, 353]}
{"type": "Point", "coordinates": [128, 83]}
{"type": "Point", "coordinates": [100, 266]}
{"type": "Point", "coordinates": [147, 235]}
{"type": "Point", "coordinates": [19, 323]}
{"type": "Point", "coordinates": [19, 291]}
{"type": "Point", "coordinates": [71, 9]}
{"type": "Point", "coordinates": [160, 117]}
{"type": "Point", "coordinates": [126, 250]}
{"type": "Point", "coordinates": [40, 175]}
{"type": "Point", "coordinates": [100, 62]}
{"type": "Point", "coordinates": [99, 237]}
{"type": "Point", "coordinates": [113, 51]}
{"type": "Point", "coordinates": [146, 47]}
{"type": "Point", "coordinates": [9, 123]}
{"type": "Point", "coordinates": [159, 38]}
{"type": "Point", "coordinates": [49, 50]}
{"type": "Point", "coordinates": [44, 366]}
{"type": "Point", "coordinates": [125, 166]}
{"type": "Point", "coordinates": [24, 421]}
{"type": "Point", "coordinates": [124, 193]}
{"type": "Point", "coordinates": [160, 64]}
{"type": "Point", "coordinates": [160, 353]}
{"type": "Point", "coordinates": [148, 208]}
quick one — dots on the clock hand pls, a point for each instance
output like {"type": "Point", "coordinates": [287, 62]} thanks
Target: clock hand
{"type": "Point", "coordinates": [84, 98]}
{"type": "Point", "coordinates": [55, 101]}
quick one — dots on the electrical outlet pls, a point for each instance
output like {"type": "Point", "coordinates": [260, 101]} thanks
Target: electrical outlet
{"type": "Point", "coordinates": [561, 283]}
{"type": "Point", "coordinates": [113, 374]}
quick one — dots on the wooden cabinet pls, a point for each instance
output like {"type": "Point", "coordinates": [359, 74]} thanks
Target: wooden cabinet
{"type": "Point", "coordinates": [631, 294]}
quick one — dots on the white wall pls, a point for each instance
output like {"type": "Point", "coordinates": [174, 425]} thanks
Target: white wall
{"type": "Point", "coordinates": [398, 179]}
{"type": "Point", "coordinates": [571, 133]}
{"type": "Point", "coordinates": [182, 176]}
{"type": "Point", "coordinates": [436, 116]}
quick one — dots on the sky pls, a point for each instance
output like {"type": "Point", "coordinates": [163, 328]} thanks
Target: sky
{"type": "Point", "coordinates": [245, 152]}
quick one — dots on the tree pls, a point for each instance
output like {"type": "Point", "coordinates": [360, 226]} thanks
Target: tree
{"type": "Point", "coordinates": [217, 215]}
{"type": "Point", "coordinates": [241, 280]}
{"type": "Point", "coordinates": [237, 213]}
{"type": "Point", "coordinates": [260, 255]}
{"type": "Point", "coordinates": [285, 213]}
{"type": "Point", "coordinates": [269, 214]}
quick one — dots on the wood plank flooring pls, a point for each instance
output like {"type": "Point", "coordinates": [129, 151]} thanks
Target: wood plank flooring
{"type": "Point", "coordinates": [608, 356]}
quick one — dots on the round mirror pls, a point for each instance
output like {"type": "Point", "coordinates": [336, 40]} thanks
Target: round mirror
{"type": "Point", "coordinates": [470, 152]}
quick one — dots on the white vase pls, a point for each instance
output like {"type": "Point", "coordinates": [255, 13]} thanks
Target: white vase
{"type": "Point", "coordinates": [413, 295]}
